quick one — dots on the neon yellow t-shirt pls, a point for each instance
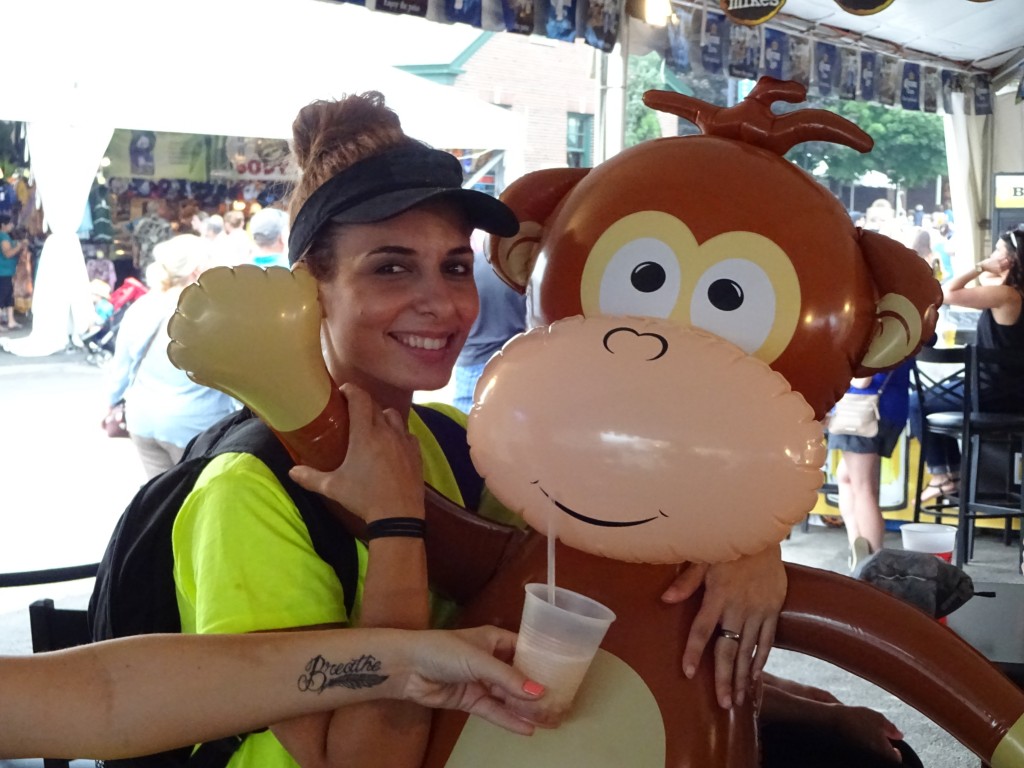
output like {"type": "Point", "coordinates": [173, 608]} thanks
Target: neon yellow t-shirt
{"type": "Point", "coordinates": [244, 561]}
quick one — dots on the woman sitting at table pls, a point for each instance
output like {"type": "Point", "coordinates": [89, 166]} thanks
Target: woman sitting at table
{"type": "Point", "coordinates": [1000, 280]}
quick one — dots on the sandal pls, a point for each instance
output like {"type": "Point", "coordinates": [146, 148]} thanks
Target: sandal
{"type": "Point", "coordinates": [940, 488]}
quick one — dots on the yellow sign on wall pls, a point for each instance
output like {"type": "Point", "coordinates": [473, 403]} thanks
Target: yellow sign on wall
{"type": "Point", "coordinates": [1009, 190]}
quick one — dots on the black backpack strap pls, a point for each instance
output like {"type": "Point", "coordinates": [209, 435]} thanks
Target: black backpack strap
{"type": "Point", "coordinates": [331, 540]}
{"type": "Point", "coordinates": [451, 436]}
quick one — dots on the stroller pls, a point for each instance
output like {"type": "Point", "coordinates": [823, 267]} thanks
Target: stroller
{"type": "Point", "coordinates": [100, 338]}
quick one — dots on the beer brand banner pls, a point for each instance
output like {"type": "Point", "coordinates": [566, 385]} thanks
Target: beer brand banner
{"type": "Point", "coordinates": [744, 51]}
{"type": "Point", "coordinates": [712, 45]}
{"type": "Point", "coordinates": [518, 16]}
{"type": "Point", "coordinates": [602, 27]}
{"type": "Point", "coordinates": [464, 11]}
{"type": "Point", "coordinates": [868, 75]}
{"type": "Point", "coordinates": [750, 12]}
{"type": "Point", "coordinates": [931, 87]}
{"type": "Point", "coordinates": [561, 21]}
{"type": "Point", "coordinates": [826, 69]}
{"type": "Point", "coordinates": [677, 58]}
{"type": "Point", "coordinates": [888, 79]}
{"type": "Point", "coordinates": [849, 73]}
{"type": "Point", "coordinates": [403, 7]}
{"type": "Point", "coordinates": [952, 81]}
{"type": "Point", "coordinates": [910, 86]}
{"type": "Point", "coordinates": [776, 51]}
{"type": "Point", "coordinates": [982, 95]}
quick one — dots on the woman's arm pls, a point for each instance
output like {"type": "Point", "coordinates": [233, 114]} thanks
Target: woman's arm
{"type": "Point", "coordinates": [993, 297]}
{"type": "Point", "coordinates": [151, 693]}
{"type": "Point", "coordinates": [785, 703]}
{"type": "Point", "coordinates": [9, 250]}
{"type": "Point", "coordinates": [381, 477]}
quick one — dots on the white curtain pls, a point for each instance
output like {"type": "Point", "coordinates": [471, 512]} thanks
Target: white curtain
{"type": "Point", "coordinates": [64, 161]}
{"type": "Point", "coordinates": [969, 158]}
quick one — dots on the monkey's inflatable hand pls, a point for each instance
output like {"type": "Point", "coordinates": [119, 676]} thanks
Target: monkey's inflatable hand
{"type": "Point", "coordinates": [254, 333]}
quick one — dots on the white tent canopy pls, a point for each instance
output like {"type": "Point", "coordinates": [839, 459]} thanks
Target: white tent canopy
{"type": "Point", "coordinates": [219, 67]}
{"type": "Point", "coordinates": [225, 67]}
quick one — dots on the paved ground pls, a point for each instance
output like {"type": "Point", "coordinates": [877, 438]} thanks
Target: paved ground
{"type": "Point", "coordinates": [65, 483]}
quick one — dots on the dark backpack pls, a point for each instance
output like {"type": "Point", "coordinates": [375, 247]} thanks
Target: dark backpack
{"type": "Point", "coordinates": [134, 593]}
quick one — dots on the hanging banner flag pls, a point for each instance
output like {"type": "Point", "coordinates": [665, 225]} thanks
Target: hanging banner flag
{"type": "Point", "coordinates": [776, 49]}
{"type": "Point", "coordinates": [463, 11]}
{"type": "Point", "coordinates": [799, 60]}
{"type": "Point", "coordinates": [403, 7]}
{"type": "Point", "coordinates": [910, 86]}
{"type": "Point", "coordinates": [156, 155]}
{"type": "Point", "coordinates": [849, 74]}
{"type": "Point", "coordinates": [711, 47]}
{"type": "Point", "coordinates": [744, 51]}
{"type": "Point", "coordinates": [518, 15]}
{"type": "Point", "coordinates": [868, 75]}
{"type": "Point", "coordinates": [1020, 88]}
{"type": "Point", "coordinates": [863, 7]}
{"type": "Point", "coordinates": [930, 88]}
{"type": "Point", "coordinates": [561, 23]}
{"type": "Point", "coordinates": [982, 95]}
{"type": "Point", "coordinates": [888, 79]}
{"type": "Point", "coordinates": [952, 81]}
{"type": "Point", "coordinates": [677, 58]}
{"type": "Point", "coordinates": [750, 12]}
{"type": "Point", "coordinates": [602, 29]}
{"type": "Point", "coordinates": [826, 67]}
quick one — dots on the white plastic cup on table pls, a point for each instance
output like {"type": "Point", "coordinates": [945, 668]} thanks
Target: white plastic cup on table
{"type": "Point", "coordinates": [558, 641]}
{"type": "Point", "coordinates": [933, 538]}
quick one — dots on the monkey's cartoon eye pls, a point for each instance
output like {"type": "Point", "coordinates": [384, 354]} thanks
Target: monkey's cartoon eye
{"type": "Point", "coordinates": [736, 300]}
{"type": "Point", "coordinates": [642, 278]}
{"type": "Point", "coordinates": [739, 285]}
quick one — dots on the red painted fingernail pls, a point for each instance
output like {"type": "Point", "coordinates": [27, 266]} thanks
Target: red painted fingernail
{"type": "Point", "coordinates": [533, 688]}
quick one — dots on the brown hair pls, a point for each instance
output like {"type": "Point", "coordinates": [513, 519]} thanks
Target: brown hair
{"type": "Point", "coordinates": [327, 138]}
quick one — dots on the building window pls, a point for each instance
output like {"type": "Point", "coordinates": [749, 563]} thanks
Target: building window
{"type": "Point", "coordinates": [579, 136]}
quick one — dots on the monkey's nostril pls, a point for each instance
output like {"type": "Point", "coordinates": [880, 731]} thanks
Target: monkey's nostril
{"type": "Point", "coordinates": [628, 341]}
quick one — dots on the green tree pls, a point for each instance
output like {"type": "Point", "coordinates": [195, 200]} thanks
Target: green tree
{"type": "Point", "coordinates": [645, 73]}
{"type": "Point", "coordinates": [910, 146]}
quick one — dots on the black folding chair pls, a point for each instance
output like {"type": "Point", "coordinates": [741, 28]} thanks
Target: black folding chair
{"type": "Point", "coordinates": [939, 390]}
{"type": "Point", "coordinates": [993, 436]}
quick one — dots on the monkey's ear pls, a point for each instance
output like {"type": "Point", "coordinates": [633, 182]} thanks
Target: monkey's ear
{"type": "Point", "coordinates": [907, 308]}
{"type": "Point", "coordinates": [533, 198]}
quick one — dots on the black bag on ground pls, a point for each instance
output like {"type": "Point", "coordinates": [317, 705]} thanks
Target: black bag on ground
{"type": "Point", "coordinates": [936, 587]}
{"type": "Point", "coordinates": [134, 592]}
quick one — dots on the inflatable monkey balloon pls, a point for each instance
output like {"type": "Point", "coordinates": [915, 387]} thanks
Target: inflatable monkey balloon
{"type": "Point", "coordinates": [714, 258]}
{"type": "Point", "coordinates": [696, 304]}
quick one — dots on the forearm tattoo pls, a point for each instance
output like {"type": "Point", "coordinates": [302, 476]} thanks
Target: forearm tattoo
{"type": "Point", "coordinates": [361, 672]}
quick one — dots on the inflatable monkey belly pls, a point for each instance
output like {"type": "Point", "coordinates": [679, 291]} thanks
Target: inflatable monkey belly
{"type": "Point", "coordinates": [636, 707]}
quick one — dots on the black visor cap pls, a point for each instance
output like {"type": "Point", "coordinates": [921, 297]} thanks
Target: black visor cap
{"type": "Point", "coordinates": [390, 183]}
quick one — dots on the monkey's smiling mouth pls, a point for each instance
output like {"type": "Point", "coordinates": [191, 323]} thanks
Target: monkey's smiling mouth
{"type": "Point", "coordinates": [593, 521]}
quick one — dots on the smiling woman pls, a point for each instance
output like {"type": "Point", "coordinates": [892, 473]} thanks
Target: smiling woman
{"type": "Point", "coordinates": [381, 224]}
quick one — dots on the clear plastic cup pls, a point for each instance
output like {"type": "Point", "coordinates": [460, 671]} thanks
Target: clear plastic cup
{"type": "Point", "coordinates": [933, 538]}
{"type": "Point", "coordinates": [558, 641]}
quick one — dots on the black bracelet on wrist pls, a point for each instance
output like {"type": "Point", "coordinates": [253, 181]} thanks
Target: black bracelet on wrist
{"type": "Point", "coordinates": [407, 527]}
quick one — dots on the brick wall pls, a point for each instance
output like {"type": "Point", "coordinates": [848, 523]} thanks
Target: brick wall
{"type": "Point", "coordinates": [541, 79]}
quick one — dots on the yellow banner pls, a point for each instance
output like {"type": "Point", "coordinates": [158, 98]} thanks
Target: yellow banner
{"type": "Point", "coordinates": [1010, 190]}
